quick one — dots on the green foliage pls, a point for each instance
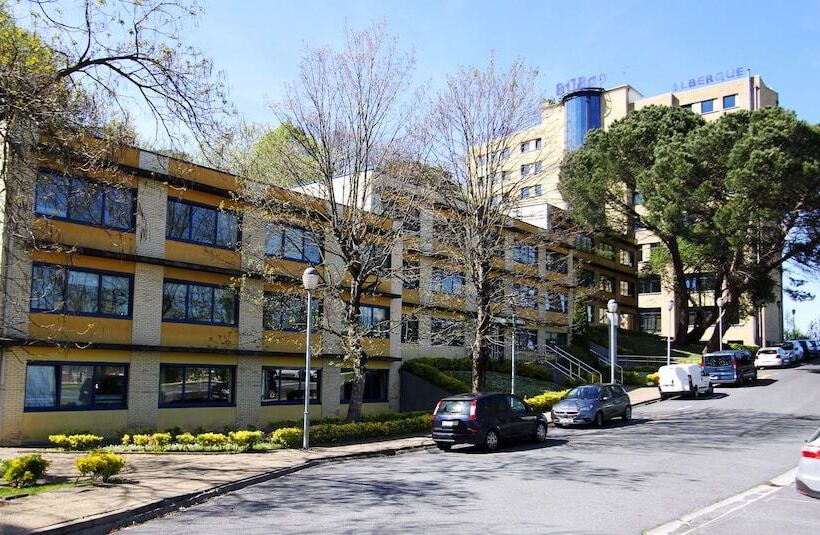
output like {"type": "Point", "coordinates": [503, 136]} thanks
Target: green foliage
{"type": "Point", "coordinates": [545, 401]}
{"type": "Point", "coordinates": [100, 465]}
{"type": "Point", "coordinates": [431, 370]}
{"type": "Point", "coordinates": [24, 471]}
{"type": "Point", "coordinates": [211, 439]}
{"type": "Point", "coordinates": [741, 347]}
{"type": "Point", "coordinates": [384, 417]}
{"type": "Point", "coordinates": [126, 439]}
{"type": "Point", "coordinates": [290, 437]}
{"type": "Point", "coordinates": [330, 433]}
{"type": "Point", "coordinates": [185, 439]}
{"type": "Point", "coordinates": [141, 439]}
{"type": "Point", "coordinates": [245, 439]}
{"type": "Point", "coordinates": [653, 379]}
{"type": "Point", "coordinates": [435, 376]}
{"type": "Point", "coordinates": [75, 442]}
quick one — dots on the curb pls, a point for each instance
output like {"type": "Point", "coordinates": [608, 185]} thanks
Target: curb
{"type": "Point", "coordinates": [120, 518]}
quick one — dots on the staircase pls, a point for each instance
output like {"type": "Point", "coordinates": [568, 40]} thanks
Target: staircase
{"type": "Point", "coordinates": [604, 362]}
{"type": "Point", "coordinates": [568, 365]}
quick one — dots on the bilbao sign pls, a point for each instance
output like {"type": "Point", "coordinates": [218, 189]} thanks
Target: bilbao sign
{"type": "Point", "coordinates": [581, 82]}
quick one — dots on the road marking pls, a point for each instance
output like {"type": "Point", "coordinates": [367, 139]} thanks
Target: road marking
{"type": "Point", "coordinates": [703, 517]}
{"type": "Point", "coordinates": [683, 408]}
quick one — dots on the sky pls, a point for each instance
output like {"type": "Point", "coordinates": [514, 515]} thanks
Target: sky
{"type": "Point", "coordinates": [650, 45]}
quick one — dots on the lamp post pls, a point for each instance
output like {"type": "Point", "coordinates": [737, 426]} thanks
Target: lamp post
{"type": "Point", "coordinates": [512, 357]}
{"type": "Point", "coordinates": [612, 307]}
{"type": "Point", "coordinates": [720, 322]}
{"type": "Point", "coordinates": [310, 280]}
{"type": "Point", "coordinates": [670, 304]}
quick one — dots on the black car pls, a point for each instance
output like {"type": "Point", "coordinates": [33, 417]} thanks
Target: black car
{"type": "Point", "coordinates": [485, 419]}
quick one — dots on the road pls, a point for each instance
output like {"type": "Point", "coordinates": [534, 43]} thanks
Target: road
{"type": "Point", "coordinates": [674, 458]}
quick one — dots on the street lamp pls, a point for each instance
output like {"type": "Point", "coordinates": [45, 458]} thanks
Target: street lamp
{"type": "Point", "coordinates": [612, 307]}
{"type": "Point", "coordinates": [670, 304]}
{"type": "Point", "coordinates": [310, 280]}
{"type": "Point", "coordinates": [720, 321]}
{"type": "Point", "coordinates": [512, 357]}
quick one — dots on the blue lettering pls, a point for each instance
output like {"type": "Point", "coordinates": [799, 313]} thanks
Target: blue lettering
{"type": "Point", "coordinates": [559, 89]}
{"type": "Point", "coordinates": [740, 71]}
{"type": "Point", "coordinates": [709, 79]}
{"type": "Point", "coordinates": [582, 82]}
{"type": "Point", "coordinates": [719, 77]}
{"type": "Point", "coordinates": [692, 82]}
{"type": "Point", "coordinates": [700, 80]}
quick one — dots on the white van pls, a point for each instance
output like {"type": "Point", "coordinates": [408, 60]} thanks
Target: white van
{"type": "Point", "coordinates": [677, 379]}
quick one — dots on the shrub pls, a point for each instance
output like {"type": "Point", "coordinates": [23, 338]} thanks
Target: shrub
{"type": "Point", "coordinates": [126, 439]}
{"type": "Point", "coordinates": [100, 465]}
{"type": "Point", "coordinates": [328, 433]}
{"type": "Point", "coordinates": [75, 442]}
{"type": "Point", "coordinates": [435, 376]}
{"type": "Point", "coordinates": [160, 440]}
{"type": "Point", "coordinates": [24, 471]}
{"type": "Point", "coordinates": [290, 437]}
{"type": "Point", "coordinates": [141, 440]}
{"type": "Point", "coordinates": [245, 439]}
{"type": "Point", "coordinates": [185, 439]}
{"type": "Point", "coordinates": [211, 439]}
{"type": "Point", "coordinates": [653, 379]}
{"type": "Point", "coordinates": [544, 402]}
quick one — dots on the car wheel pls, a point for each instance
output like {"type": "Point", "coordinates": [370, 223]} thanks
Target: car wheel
{"type": "Point", "coordinates": [541, 432]}
{"type": "Point", "coordinates": [599, 419]}
{"type": "Point", "coordinates": [754, 377]}
{"type": "Point", "coordinates": [696, 393]}
{"type": "Point", "coordinates": [444, 446]}
{"type": "Point", "coordinates": [740, 380]}
{"type": "Point", "coordinates": [627, 415]}
{"type": "Point", "coordinates": [711, 389]}
{"type": "Point", "coordinates": [491, 441]}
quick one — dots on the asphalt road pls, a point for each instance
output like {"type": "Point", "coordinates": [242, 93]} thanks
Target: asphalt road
{"type": "Point", "coordinates": [674, 458]}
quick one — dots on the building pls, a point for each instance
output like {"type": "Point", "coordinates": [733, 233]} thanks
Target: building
{"type": "Point", "coordinates": [126, 312]}
{"type": "Point", "coordinates": [535, 160]}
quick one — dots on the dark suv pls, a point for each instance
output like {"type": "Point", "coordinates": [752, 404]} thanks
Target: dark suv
{"type": "Point", "coordinates": [484, 419]}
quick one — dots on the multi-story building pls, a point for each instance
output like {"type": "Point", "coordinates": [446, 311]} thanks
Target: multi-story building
{"type": "Point", "coordinates": [135, 305]}
{"type": "Point", "coordinates": [533, 167]}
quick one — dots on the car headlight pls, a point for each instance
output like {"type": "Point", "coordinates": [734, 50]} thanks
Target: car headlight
{"type": "Point", "coordinates": [584, 408]}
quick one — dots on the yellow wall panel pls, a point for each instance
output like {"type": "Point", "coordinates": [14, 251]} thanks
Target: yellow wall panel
{"type": "Point", "coordinates": [79, 328]}
{"type": "Point", "coordinates": [74, 234]}
{"type": "Point", "coordinates": [90, 262]}
{"type": "Point", "coordinates": [189, 419]}
{"type": "Point", "coordinates": [38, 425]}
{"type": "Point", "coordinates": [191, 335]}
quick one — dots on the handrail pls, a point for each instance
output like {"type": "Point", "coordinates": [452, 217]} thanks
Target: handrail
{"type": "Point", "coordinates": [605, 361]}
{"type": "Point", "coordinates": [572, 366]}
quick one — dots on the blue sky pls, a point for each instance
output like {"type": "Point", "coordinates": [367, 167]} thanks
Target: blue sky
{"type": "Point", "coordinates": [648, 44]}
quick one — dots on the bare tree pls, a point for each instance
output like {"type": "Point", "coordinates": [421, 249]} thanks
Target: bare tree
{"type": "Point", "coordinates": [352, 177]}
{"type": "Point", "coordinates": [475, 125]}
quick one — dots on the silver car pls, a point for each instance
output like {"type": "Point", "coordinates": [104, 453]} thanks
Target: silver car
{"type": "Point", "coordinates": [807, 480]}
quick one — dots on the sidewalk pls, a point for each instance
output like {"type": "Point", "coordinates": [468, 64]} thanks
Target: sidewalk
{"type": "Point", "coordinates": [158, 483]}
{"type": "Point", "coordinates": [643, 395]}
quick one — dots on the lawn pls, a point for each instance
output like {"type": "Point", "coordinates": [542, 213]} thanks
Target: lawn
{"type": "Point", "coordinates": [9, 492]}
{"type": "Point", "coordinates": [500, 382]}
{"type": "Point", "coordinates": [630, 343]}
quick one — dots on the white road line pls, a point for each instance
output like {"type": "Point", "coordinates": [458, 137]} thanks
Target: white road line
{"type": "Point", "coordinates": [683, 408]}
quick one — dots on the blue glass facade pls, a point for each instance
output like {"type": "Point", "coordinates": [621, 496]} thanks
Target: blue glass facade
{"type": "Point", "coordinates": [583, 113]}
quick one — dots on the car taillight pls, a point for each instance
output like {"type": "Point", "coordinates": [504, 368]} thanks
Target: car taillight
{"type": "Point", "coordinates": [810, 452]}
{"type": "Point", "coordinates": [734, 364]}
{"type": "Point", "coordinates": [472, 409]}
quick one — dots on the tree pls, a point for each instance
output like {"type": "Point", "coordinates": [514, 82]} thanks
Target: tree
{"type": "Point", "coordinates": [474, 124]}
{"type": "Point", "coordinates": [813, 333]}
{"type": "Point", "coordinates": [351, 160]}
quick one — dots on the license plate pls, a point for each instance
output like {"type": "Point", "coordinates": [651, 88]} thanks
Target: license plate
{"type": "Point", "coordinates": [565, 420]}
{"type": "Point", "coordinates": [448, 423]}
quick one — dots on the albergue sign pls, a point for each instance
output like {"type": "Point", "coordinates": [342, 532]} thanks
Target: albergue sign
{"type": "Point", "coordinates": [706, 79]}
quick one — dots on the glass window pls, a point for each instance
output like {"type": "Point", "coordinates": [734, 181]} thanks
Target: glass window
{"type": "Point", "coordinates": [196, 385]}
{"type": "Point", "coordinates": [526, 340]}
{"type": "Point", "coordinates": [627, 288]}
{"type": "Point", "coordinates": [447, 282]}
{"type": "Point", "coordinates": [729, 102]}
{"type": "Point", "coordinates": [287, 385]}
{"type": "Point", "coordinates": [649, 285]}
{"type": "Point", "coordinates": [525, 146]}
{"type": "Point", "coordinates": [538, 143]}
{"type": "Point", "coordinates": [607, 284]}
{"type": "Point", "coordinates": [525, 169]}
{"type": "Point", "coordinates": [606, 251]}
{"type": "Point", "coordinates": [201, 224]}
{"type": "Point", "coordinates": [586, 277]}
{"type": "Point", "coordinates": [651, 320]}
{"type": "Point", "coordinates": [411, 221]}
{"type": "Point", "coordinates": [707, 106]}
{"type": "Point", "coordinates": [446, 332]}
{"type": "Point", "coordinates": [410, 276]}
{"type": "Point", "coordinates": [553, 338]}
{"type": "Point", "coordinates": [288, 312]}
{"type": "Point", "coordinates": [538, 190]}
{"type": "Point", "coordinates": [292, 243]}
{"type": "Point", "coordinates": [77, 291]}
{"type": "Point", "coordinates": [525, 296]}
{"type": "Point", "coordinates": [583, 113]}
{"type": "Point", "coordinates": [626, 257]}
{"type": "Point", "coordinates": [557, 263]}
{"type": "Point", "coordinates": [376, 320]}
{"type": "Point", "coordinates": [525, 192]}
{"type": "Point", "coordinates": [51, 195]}
{"type": "Point", "coordinates": [584, 244]}
{"type": "Point", "coordinates": [557, 302]}
{"type": "Point", "coordinates": [409, 330]}
{"type": "Point", "coordinates": [75, 386]}
{"type": "Point", "coordinates": [198, 303]}
{"type": "Point", "coordinates": [525, 254]}
{"type": "Point", "coordinates": [84, 201]}
{"type": "Point", "coordinates": [375, 386]}
{"type": "Point", "coordinates": [178, 218]}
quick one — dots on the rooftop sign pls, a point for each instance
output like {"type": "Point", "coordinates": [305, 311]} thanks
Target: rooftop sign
{"type": "Point", "coordinates": [581, 82]}
{"type": "Point", "coordinates": [706, 79]}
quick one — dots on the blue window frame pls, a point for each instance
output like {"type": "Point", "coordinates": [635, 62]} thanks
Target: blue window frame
{"type": "Point", "coordinates": [729, 101]}
{"type": "Point", "coordinates": [193, 302]}
{"type": "Point", "coordinates": [85, 201]}
{"type": "Point", "coordinates": [447, 282]}
{"type": "Point", "coordinates": [198, 223]}
{"type": "Point", "coordinates": [707, 106]}
{"type": "Point", "coordinates": [80, 292]}
{"type": "Point", "coordinates": [75, 386]}
{"type": "Point", "coordinates": [286, 386]}
{"type": "Point", "coordinates": [557, 302]}
{"type": "Point", "coordinates": [196, 385]}
{"type": "Point", "coordinates": [376, 320]}
{"type": "Point", "coordinates": [292, 243]}
{"type": "Point", "coordinates": [375, 386]}
{"type": "Point", "coordinates": [288, 312]}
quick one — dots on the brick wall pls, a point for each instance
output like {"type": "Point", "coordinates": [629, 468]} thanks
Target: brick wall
{"type": "Point", "coordinates": [143, 390]}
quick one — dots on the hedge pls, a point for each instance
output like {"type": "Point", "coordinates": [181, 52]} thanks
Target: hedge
{"type": "Point", "coordinates": [435, 376]}
{"type": "Point", "coordinates": [291, 437]}
{"type": "Point", "coordinates": [384, 417]}
{"type": "Point", "coordinates": [75, 442]}
{"type": "Point", "coordinates": [24, 471]}
{"type": "Point", "coordinates": [100, 465]}
{"type": "Point", "coordinates": [544, 402]}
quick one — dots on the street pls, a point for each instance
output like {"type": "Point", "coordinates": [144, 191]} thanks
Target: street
{"type": "Point", "coordinates": [674, 458]}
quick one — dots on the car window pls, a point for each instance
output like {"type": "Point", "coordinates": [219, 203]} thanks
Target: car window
{"type": "Point", "coordinates": [619, 391]}
{"type": "Point", "coordinates": [454, 406]}
{"type": "Point", "coordinates": [516, 404]}
{"type": "Point", "coordinates": [499, 404]}
{"type": "Point", "coordinates": [584, 392]}
{"type": "Point", "coordinates": [717, 360]}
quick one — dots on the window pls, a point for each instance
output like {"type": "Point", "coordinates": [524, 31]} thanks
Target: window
{"type": "Point", "coordinates": [687, 107]}
{"type": "Point", "coordinates": [198, 303]}
{"type": "Point", "coordinates": [538, 190]}
{"type": "Point", "coordinates": [409, 330]}
{"type": "Point", "coordinates": [557, 263]}
{"type": "Point", "coordinates": [647, 250]}
{"type": "Point", "coordinates": [525, 254]}
{"type": "Point", "coordinates": [525, 169]}
{"type": "Point", "coordinates": [586, 277]}
{"type": "Point", "coordinates": [606, 251]}
{"type": "Point", "coordinates": [651, 320]}
{"type": "Point", "coordinates": [557, 302]}
{"type": "Point", "coordinates": [626, 257]}
{"type": "Point", "coordinates": [557, 339]}
{"type": "Point", "coordinates": [607, 284]}
{"type": "Point", "coordinates": [627, 288]}
{"type": "Point", "coordinates": [410, 276]}
{"type": "Point", "coordinates": [538, 167]}
{"type": "Point", "coordinates": [699, 282]}
{"type": "Point", "coordinates": [637, 199]}
{"type": "Point", "coordinates": [194, 384]}
{"type": "Point", "coordinates": [288, 312]}
{"type": "Point", "coordinates": [525, 192]}
{"type": "Point", "coordinates": [75, 386]}
{"type": "Point", "coordinates": [287, 385]}
{"type": "Point", "coordinates": [538, 143]}
{"type": "Point", "coordinates": [729, 101]}
{"type": "Point", "coordinates": [198, 223]}
{"type": "Point", "coordinates": [446, 332]}
{"type": "Point", "coordinates": [525, 146]}
{"type": "Point", "coordinates": [375, 320]}
{"type": "Point", "coordinates": [375, 386]}
{"type": "Point", "coordinates": [649, 285]}
{"type": "Point", "coordinates": [506, 153]}
{"type": "Point", "coordinates": [80, 292]}
{"type": "Point", "coordinates": [707, 106]}
{"type": "Point", "coordinates": [447, 282]}
{"type": "Point", "coordinates": [526, 340]}
{"type": "Point", "coordinates": [292, 243]}
{"type": "Point", "coordinates": [584, 244]}
{"type": "Point", "coordinates": [411, 221]}
{"type": "Point", "coordinates": [84, 201]}
{"type": "Point", "coordinates": [525, 296]}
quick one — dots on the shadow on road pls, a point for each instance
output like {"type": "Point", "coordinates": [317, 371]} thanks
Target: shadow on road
{"type": "Point", "coordinates": [761, 382]}
{"type": "Point", "coordinates": [511, 447]}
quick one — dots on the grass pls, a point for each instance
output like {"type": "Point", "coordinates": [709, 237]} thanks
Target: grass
{"type": "Point", "coordinates": [632, 343]}
{"type": "Point", "coordinates": [10, 492]}
{"type": "Point", "coordinates": [500, 382]}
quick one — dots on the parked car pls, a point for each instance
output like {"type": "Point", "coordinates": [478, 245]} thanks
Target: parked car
{"type": "Point", "coordinates": [734, 366]}
{"type": "Point", "coordinates": [807, 479]}
{"type": "Point", "coordinates": [814, 345]}
{"type": "Point", "coordinates": [679, 379]}
{"type": "Point", "coordinates": [809, 348]}
{"type": "Point", "coordinates": [592, 404]}
{"type": "Point", "coordinates": [485, 419]}
{"type": "Point", "coordinates": [794, 350]}
{"type": "Point", "coordinates": [804, 348]}
{"type": "Point", "coordinates": [770, 357]}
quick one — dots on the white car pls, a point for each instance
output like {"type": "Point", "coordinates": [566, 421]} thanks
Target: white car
{"type": "Point", "coordinates": [768, 357]}
{"type": "Point", "coordinates": [807, 479]}
{"type": "Point", "coordinates": [795, 348]}
{"type": "Point", "coordinates": [679, 379]}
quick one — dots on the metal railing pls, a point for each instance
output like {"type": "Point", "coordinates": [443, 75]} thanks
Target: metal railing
{"type": "Point", "coordinates": [603, 359]}
{"type": "Point", "coordinates": [570, 366]}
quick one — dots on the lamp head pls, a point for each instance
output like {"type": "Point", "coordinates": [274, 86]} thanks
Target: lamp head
{"type": "Point", "coordinates": [670, 304]}
{"type": "Point", "coordinates": [612, 306]}
{"type": "Point", "coordinates": [310, 279]}
{"type": "Point", "coordinates": [720, 302]}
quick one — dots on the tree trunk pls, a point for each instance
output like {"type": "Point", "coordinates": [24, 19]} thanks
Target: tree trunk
{"type": "Point", "coordinates": [731, 304]}
{"type": "Point", "coordinates": [354, 352]}
{"type": "Point", "coordinates": [681, 296]}
{"type": "Point", "coordinates": [479, 353]}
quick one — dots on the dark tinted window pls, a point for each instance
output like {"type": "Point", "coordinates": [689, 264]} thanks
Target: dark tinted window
{"type": "Point", "coordinates": [717, 360]}
{"type": "Point", "coordinates": [498, 404]}
{"type": "Point", "coordinates": [516, 404]}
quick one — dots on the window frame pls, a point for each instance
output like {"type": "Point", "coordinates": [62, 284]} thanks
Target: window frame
{"type": "Point", "coordinates": [301, 401]}
{"type": "Point", "coordinates": [734, 101]}
{"type": "Point", "coordinates": [458, 340]}
{"type": "Point", "coordinates": [190, 404]}
{"type": "Point", "coordinates": [104, 191]}
{"type": "Point", "coordinates": [386, 373]}
{"type": "Point", "coordinates": [528, 334]}
{"type": "Point", "coordinates": [406, 322]}
{"type": "Point", "coordinates": [57, 365]}
{"type": "Point", "coordinates": [317, 313]}
{"type": "Point", "coordinates": [520, 257]}
{"type": "Point", "coordinates": [305, 233]}
{"type": "Point", "coordinates": [711, 103]}
{"type": "Point", "coordinates": [382, 333]}
{"type": "Point", "coordinates": [437, 285]}
{"type": "Point", "coordinates": [218, 212]}
{"type": "Point", "coordinates": [100, 273]}
{"type": "Point", "coordinates": [235, 324]}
